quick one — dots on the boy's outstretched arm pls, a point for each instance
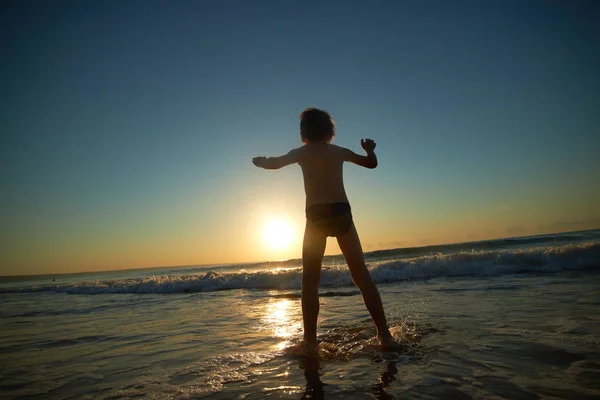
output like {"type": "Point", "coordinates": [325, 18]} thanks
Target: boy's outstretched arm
{"type": "Point", "coordinates": [368, 161]}
{"type": "Point", "coordinates": [276, 162]}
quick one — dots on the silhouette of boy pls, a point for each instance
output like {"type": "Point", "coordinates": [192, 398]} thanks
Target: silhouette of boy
{"type": "Point", "coordinates": [328, 213]}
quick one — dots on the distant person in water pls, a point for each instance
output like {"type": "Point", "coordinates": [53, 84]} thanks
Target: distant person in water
{"type": "Point", "coordinates": [328, 214]}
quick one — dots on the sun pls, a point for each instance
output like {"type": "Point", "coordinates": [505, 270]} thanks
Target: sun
{"type": "Point", "coordinates": [278, 233]}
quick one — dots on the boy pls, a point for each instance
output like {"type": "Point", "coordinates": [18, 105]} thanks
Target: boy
{"type": "Point", "coordinates": [328, 214]}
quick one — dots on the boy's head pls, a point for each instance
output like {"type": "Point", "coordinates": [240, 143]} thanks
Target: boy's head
{"type": "Point", "coordinates": [316, 125]}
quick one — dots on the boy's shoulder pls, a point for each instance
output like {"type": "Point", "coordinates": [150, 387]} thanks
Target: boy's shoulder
{"type": "Point", "coordinates": [328, 148]}
{"type": "Point", "coordinates": [307, 153]}
{"type": "Point", "coordinates": [339, 148]}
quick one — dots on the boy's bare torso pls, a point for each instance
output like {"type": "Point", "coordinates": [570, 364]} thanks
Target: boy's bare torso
{"type": "Point", "coordinates": [322, 167]}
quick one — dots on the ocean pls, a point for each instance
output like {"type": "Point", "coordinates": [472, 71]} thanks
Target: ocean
{"type": "Point", "coordinates": [510, 318]}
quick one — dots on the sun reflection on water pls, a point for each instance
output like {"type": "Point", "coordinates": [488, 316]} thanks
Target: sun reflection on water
{"type": "Point", "coordinates": [279, 317]}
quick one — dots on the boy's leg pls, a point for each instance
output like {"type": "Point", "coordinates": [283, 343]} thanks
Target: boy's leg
{"type": "Point", "coordinates": [351, 248]}
{"type": "Point", "coordinates": [312, 257]}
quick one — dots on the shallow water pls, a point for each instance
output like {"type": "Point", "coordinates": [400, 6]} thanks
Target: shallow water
{"type": "Point", "coordinates": [516, 319]}
{"type": "Point", "coordinates": [516, 337]}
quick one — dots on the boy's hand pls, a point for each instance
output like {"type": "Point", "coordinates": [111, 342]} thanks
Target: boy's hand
{"type": "Point", "coordinates": [367, 144]}
{"type": "Point", "coordinates": [259, 161]}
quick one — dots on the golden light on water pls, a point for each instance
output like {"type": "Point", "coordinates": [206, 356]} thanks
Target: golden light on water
{"type": "Point", "coordinates": [278, 233]}
{"type": "Point", "coordinates": [279, 318]}
{"type": "Point", "coordinates": [279, 310]}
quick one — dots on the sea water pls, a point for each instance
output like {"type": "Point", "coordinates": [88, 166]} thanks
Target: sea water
{"type": "Point", "coordinates": [512, 318]}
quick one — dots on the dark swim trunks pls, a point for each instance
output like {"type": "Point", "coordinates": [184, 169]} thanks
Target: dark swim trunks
{"type": "Point", "coordinates": [333, 219]}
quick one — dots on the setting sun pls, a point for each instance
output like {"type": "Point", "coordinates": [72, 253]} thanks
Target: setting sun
{"type": "Point", "coordinates": [278, 233]}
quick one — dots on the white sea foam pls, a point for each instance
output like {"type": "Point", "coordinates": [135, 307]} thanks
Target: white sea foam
{"type": "Point", "coordinates": [463, 264]}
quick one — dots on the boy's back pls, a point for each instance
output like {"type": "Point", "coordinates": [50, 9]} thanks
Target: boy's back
{"type": "Point", "coordinates": [322, 168]}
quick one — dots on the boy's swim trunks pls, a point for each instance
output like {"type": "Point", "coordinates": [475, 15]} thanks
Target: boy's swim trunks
{"type": "Point", "coordinates": [333, 219]}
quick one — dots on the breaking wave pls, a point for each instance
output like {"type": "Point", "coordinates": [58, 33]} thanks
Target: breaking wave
{"type": "Point", "coordinates": [584, 257]}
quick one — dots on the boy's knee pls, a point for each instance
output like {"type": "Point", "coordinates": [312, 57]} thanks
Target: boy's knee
{"type": "Point", "coordinates": [360, 277]}
{"type": "Point", "coordinates": [310, 280]}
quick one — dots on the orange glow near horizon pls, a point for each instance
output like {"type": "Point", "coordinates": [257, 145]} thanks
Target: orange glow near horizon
{"type": "Point", "coordinates": [268, 229]}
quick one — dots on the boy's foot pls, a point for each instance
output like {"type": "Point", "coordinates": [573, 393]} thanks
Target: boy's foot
{"type": "Point", "coordinates": [310, 349]}
{"type": "Point", "coordinates": [389, 344]}
{"type": "Point", "coordinates": [303, 350]}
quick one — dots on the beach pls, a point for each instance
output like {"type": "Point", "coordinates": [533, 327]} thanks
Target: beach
{"type": "Point", "coordinates": [510, 318]}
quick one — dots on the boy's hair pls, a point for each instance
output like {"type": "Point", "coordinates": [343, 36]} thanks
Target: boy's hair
{"type": "Point", "coordinates": [316, 125]}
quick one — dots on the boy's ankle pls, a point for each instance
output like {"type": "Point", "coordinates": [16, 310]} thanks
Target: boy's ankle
{"type": "Point", "coordinates": [310, 347]}
{"type": "Point", "coordinates": [384, 336]}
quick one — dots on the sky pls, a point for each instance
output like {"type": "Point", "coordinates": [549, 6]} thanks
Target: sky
{"type": "Point", "coordinates": [128, 127]}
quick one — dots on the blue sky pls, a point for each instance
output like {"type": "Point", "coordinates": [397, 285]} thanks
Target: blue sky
{"type": "Point", "coordinates": [128, 127]}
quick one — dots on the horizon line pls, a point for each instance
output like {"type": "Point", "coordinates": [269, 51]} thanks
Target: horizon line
{"type": "Point", "coordinates": [289, 259]}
